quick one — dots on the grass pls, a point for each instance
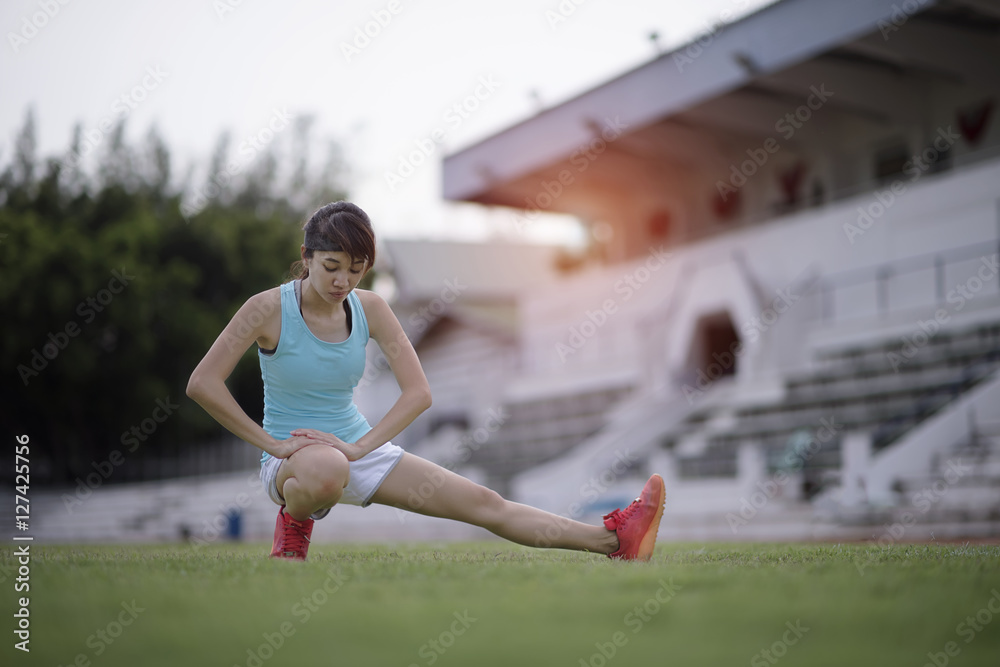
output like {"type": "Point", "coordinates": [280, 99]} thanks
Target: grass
{"type": "Point", "coordinates": [491, 603]}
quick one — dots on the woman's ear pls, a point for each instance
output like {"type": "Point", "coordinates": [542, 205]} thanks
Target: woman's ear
{"type": "Point", "coordinates": [302, 253]}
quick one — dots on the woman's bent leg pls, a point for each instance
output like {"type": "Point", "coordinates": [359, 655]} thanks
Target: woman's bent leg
{"type": "Point", "coordinates": [312, 479]}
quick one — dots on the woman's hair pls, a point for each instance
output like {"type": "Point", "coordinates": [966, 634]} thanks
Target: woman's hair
{"type": "Point", "coordinates": [338, 227]}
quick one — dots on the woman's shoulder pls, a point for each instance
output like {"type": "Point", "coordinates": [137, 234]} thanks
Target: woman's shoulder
{"type": "Point", "coordinates": [373, 302]}
{"type": "Point", "coordinates": [262, 314]}
{"type": "Point", "coordinates": [368, 297]}
{"type": "Point", "coordinates": [267, 300]}
{"type": "Point", "coordinates": [376, 308]}
{"type": "Point", "coordinates": [263, 307]}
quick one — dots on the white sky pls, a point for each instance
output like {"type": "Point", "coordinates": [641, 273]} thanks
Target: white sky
{"type": "Point", "coordinates": [232, 71]}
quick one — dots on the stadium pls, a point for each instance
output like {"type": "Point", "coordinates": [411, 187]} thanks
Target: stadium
{"type": "Point", "coordinates": [787, 305]}
{"type": "Point", "coordinates": [829, 304]}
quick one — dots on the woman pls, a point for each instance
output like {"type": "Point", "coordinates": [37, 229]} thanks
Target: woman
{"type": "Point", "coordinates": [318, 450]}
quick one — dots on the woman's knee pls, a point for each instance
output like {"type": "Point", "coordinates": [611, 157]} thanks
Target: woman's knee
{"type": "Point", "coordinates": [321, 470]}
{"type": "Point", "coordinates": [489, 505]}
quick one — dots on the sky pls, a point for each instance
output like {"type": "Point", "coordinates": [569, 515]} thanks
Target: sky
{"type": "Point", "coordinates": [379, 76]}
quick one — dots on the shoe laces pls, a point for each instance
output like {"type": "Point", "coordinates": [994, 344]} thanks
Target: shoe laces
{"type": "Point", "coordinates": [621, 516]}
{"type": "Point", "coordinates": [295, 538]}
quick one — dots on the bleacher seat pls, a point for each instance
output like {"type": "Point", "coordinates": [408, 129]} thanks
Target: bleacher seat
{"type": "Point", "coordinates": [860, 389]}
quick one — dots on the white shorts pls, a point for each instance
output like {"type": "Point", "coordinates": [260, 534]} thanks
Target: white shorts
{"type": "Point", "coordinates": [367, 474]}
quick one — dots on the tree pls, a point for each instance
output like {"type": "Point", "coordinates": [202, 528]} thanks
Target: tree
{"type": "Point", "coordinates": [112, 296]}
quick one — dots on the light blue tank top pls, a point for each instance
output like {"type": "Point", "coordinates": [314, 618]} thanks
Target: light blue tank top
{"type": "Point", "coordinates": [308, 382]}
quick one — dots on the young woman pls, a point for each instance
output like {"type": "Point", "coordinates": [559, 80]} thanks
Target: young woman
{"type": "Point", "coordinates": [318, 450]}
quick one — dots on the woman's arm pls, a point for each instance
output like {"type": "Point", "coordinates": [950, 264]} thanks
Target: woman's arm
{"type": "Point", "coordinates": [207, 385]}
{"type": "Point", "coordinates": [416, 393]}
{"type": "Point", "coordinates": [402, 358]}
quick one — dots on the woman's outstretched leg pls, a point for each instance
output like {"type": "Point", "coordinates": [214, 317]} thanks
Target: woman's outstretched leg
{"type": "Point", "coordinates": [420, 486]}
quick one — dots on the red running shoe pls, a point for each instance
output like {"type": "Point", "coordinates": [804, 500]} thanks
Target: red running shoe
{"type": "Point", "coordinates": [636, 525]}
{"type": "Point", "coordinates": [291, 537]}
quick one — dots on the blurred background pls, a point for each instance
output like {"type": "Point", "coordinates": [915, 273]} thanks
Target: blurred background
{"type": "Point", "coordinates": [751, 246]}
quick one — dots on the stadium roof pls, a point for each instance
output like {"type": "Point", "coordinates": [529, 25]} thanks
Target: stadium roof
{"type": "Point", "coordinates": [455, 271]}
{"type": "Point", "coordinates": [738, 77]}
{"type": "Point", "coordinates": [476, 284]}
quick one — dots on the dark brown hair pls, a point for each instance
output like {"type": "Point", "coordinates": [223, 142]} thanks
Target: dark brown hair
{"type": "Point", "coordinates": [338, 227]}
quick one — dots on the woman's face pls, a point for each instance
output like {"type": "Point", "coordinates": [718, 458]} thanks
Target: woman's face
{"type": "Point", "coordinates": [333, 274]}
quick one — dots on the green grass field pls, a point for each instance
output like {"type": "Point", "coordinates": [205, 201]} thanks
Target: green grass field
{"type": "Point", "coordinates": [491, 603]}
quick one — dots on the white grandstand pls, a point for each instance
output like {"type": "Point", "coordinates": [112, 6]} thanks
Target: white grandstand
{"type": "Point", "coordinates": [796, 315]}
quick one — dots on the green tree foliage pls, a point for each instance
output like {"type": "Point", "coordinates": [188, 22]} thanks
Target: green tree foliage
{"type": "Point", "coordinates": [111, 296]}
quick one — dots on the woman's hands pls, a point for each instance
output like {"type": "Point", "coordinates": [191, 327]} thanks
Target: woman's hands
{"type": "Point", "coordinates": [285, 448]}
{"type": "Point", "coordinates": [351, 450]}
